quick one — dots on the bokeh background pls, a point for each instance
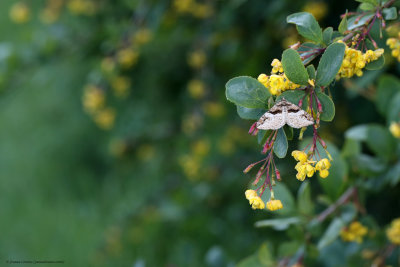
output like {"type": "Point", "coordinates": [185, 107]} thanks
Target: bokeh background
{"type": "Point", "coordinates": [117, 145]}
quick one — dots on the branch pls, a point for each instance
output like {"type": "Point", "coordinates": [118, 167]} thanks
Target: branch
{"type": "Point", "coordinates": [343, 199]}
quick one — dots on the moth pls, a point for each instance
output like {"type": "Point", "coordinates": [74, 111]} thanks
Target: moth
{"type": "Point", "coordinates": [284, 112]}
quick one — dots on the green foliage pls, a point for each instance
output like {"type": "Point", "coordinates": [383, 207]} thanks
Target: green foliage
{"type": "Point", "coordinates": [281, 144]}
{"type": "Point", "coordinates": [246, 92]}
{"type": "Point", "coordinates": [293, 67]}
{"type": "Point", "coordinates": [329, 64]}
{"type": "Point", "coordinates": [307, 26]}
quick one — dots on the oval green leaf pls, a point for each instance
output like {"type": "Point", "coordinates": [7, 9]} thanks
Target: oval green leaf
{"type": "Point", "coordinates": [293, 67]}
{"type": "Point", "coordinates": [330, 63]}
{"type": "Point", "coordinates": [247, 92]}
{"type": "Point", "coordinates": [307, 26]}
{"type": "Point", "coordinates": [250, 113]}
{"type": "Point", "coordinates": [328, 107]}
{"type": "Point", "coordinates": [281, 144]}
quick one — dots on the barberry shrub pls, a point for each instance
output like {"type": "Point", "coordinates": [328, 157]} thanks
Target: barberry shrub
{"type": "Point", "coordinates": [307, 75]}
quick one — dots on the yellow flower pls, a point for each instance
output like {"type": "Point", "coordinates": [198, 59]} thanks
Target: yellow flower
{"type": "Point", "coordinates": [274, 204]}
{"type": "Point", "coordinates": [277, 66]}
{"type": "Point", "coordinates": [254, 200]}
{"type": "Point", "coordinates": [82, 7]}
{"type": "Point", "coordinates": [93, 98]}
{"type": "Point", "coordinates": [317, 9]}
{"type": "Point", "coordinates": [395, 129]}
{"type": "Point", "coordinates": [311, 82]}
{"type": "Point", "coordinates": [196, 89]}
{"type": "Point", "coordinates": [309, 170]}
{"type": "Point", "coordinates": [105, 118]}
{"type": "Point", "coordinates": [301, 171]}
{"type": "Point", "coordinates": [394, 44]}
{"type": "Point", "coordinates": [354, 232]}
{"type": "Point", "coordinates": [201, 10]}
{"type": "Point", "coordinates": [213, 109]}
{"type": "Point", "coordinates": [393, 232]}
{"type": "Point", "coordinates": [250, 194]}
{"type": "Point", "coordinates": [142, 36]}
{"type": "Point", "coordinates": [120, 86]}
{"type": "Point", "coordinates": [299, 155]}
{"type": "Point", "coordinates": [20, 13]}
{"type": "Point", "coordinates": [107, 65]}
{"type": "Point", "coordinates": [197, 59]}
{"type": "Point", "coordinates": [201, 148]}
{"type": "Point", "coordinates": [127, 57]}
{"type": "Point", "coordinates": [323, 164]}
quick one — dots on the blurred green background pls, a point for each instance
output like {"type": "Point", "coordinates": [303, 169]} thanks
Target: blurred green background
{"type": "Point", "coordinates": [161, 184]}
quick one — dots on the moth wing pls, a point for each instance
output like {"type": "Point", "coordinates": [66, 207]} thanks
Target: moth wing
{"type": "Point", "coordinates": [270, 121]}
{"type": "Point", "coordinates": [299, 119]}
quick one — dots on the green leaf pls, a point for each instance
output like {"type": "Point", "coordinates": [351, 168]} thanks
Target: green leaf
{"type": "Point", "coordinates": [352, 22]}
{"type": "Point", "coordinates": [367, 7]}
{"type": "Point", "coordinates": [330, 63]}
{"type": "Point", "coordinates": [281, 144]}
{"type": "Point", "coordinates": [288, 131]}
{"type": "Point", "coordinates": [265, 255]}
{"type": "Point", "coordinates": [394, 109]}
{"type": "Point", "coordinates": [331, 233]}
{"type": "Point", "coordinates": [372, 2]}
{"type": "Point", "coordinates": [293, 67]}
{"type": "Point", "coordinates": [359, 133]}
{"type": "Point", "coordinates": [247, 92]}
{"type": "Point", "coordinates": [381, 141]}
{"type": "Point", "coordinates": [351, 148]}
{"type": "Point", "coordinates": [367, 165]}
{"type": "Point", "coordinates": [328, 107]}
{"type": "Point", "coordinates": [311, 72]}
{"type": "Point", "coordinates": [278, 224]}
{"type": "Point", "coordinates": [388, 86]}
{"type": "Point", "coordinates": [250, 113]}
{"type": "Point", "coordinates": [343, 24]}
{"type": "Point", "coordinates": [307, 26]}
{"type": "Point", "coordinates": [304, 202]}
{"type": "Point", "coordinates": [390, 13]}
{"type": "Point", "coordinates": [327, 35]}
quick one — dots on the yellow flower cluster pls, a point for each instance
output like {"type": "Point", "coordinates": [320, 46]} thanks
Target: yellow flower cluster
{"type": "Point", "coordinates": [354, 61]}
{"type": "Point", "coordinates": [94, 104]}
{"type": "Point", "coordinates": [127, 57]}
{"type": "Point", "coordinates": [277, 82]}
{"type": "Point", "coordinates": [191, 163]}
{"type": "Point", "coordinates": [51, 12]}
{"type": "Point", "coordinates": [395, 129]}
{"type": "Point", "coordinates": [120, 86]}
{"type": "Point", "coordinates": [82, 7]}
{"type": "Point", "coordinates": [254, 200]}
{"type": "Point", "coordinates": [317, 9]}
{"type": "Point", "coordinates": [354, 232]}
{"type": "Point", "coordinates": [257, 203]}
{"type": "Point", "coordinates": [274, 204]}
{"type": "Point", "coordinates": [306, 167]}
{"type": "Point", "coordinates": [197, 10]}
{"type": "Point", "coordinates": [394, 44]}
{"type": "Point", "coordinates": [393, 232]}
{"type": "Point", "coordinates": [20, 13]}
